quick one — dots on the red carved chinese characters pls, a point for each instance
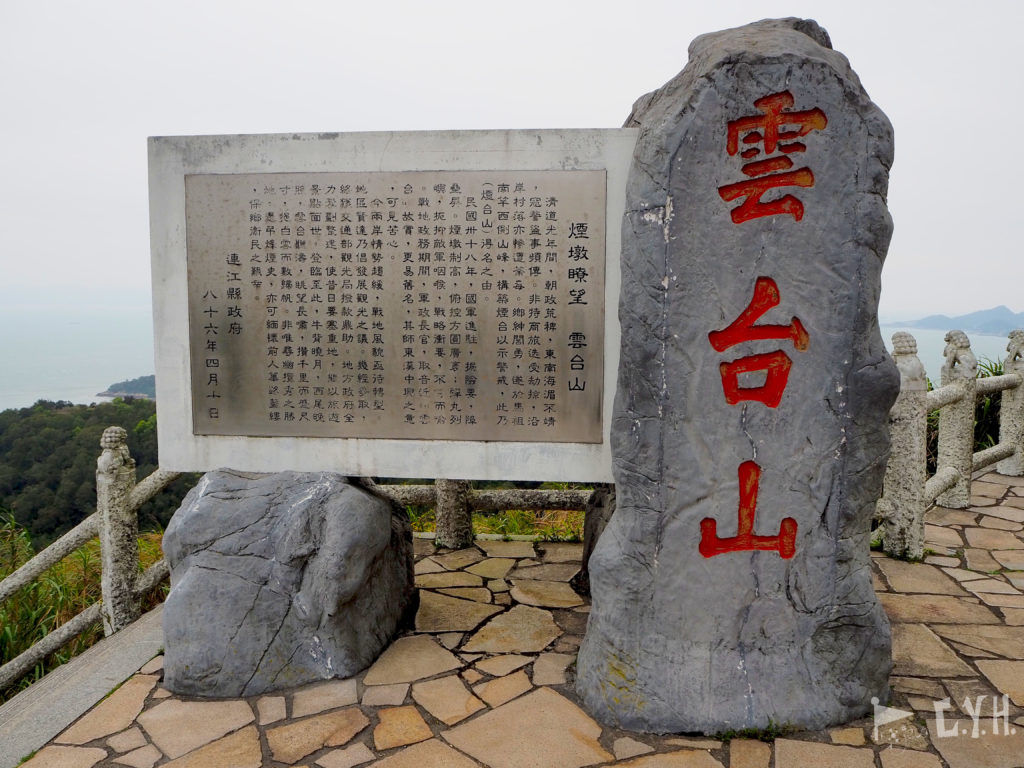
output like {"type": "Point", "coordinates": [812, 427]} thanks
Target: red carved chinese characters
{"type": "Point", "coordinates": [775, 129]}
{"type": "Point", "coordinates": [745, 540]}
{"type": "Point", "coordinates": [766, 129]}
{"type": "Point", "coordinates": [776, 367]}
{"type": "Point", "coordinates": [775, 364]}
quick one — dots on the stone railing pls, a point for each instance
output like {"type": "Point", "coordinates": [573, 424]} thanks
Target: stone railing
{"type": "Point", "coordinates": [908, 491]}
{"type": "Point", "coordinates": [454, 502]}
{"type": "Point", "coordinates": [115, 521]}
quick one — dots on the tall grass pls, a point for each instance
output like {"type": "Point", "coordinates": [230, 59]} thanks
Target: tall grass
{"type": "Point", "coordinates": [986, 421]}
{"type": "Point", "coordinates": [550, 525]}
{"type": "Point", "coordinates": [58, 595]}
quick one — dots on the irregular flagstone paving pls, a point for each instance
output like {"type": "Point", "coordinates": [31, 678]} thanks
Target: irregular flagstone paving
{"type": "Point", "coordinates": [485, 678]}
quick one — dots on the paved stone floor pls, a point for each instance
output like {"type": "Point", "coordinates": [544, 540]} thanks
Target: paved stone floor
{"type": "Point", "coordinates": [485, 679]}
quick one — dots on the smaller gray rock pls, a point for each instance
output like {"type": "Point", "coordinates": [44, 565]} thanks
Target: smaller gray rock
{"type": "Point", "coordinates": [279, 580]}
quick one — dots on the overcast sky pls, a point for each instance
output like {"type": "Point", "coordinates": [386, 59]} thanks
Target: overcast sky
{"type": "Point", "coordinates": [84, 84]}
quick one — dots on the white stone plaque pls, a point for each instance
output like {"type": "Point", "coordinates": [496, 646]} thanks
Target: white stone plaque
{"type": "Point", "coordinates": [409, 305]}
{"type": "Point", "coordinates": [393, 304]}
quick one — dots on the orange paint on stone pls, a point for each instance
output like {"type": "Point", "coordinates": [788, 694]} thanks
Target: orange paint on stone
{"type": "Point", "coordinates": [766, 296]}
{"type": "Point", "coordinates": [775, 364]}
{"type": "Point", "coordinates": [753, 190]}
{"type": "Point", "coordinates": [766, 129]}
{"type": "Point", "coordinates": [745, 540]}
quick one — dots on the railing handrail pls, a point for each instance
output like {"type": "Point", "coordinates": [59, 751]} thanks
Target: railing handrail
{"type": "Point", "coordinates": [25, 662]}
{"type": "Point", "coordinates": [985, 385]}
{"type": "Point", "coordinates": [908, 491]}
{"type": "Point", "coordinates": [989, 384]}
{"type": "Point", "coordinates": [85, 531]}
{"type": "Point", "coordinates": [116, 522]}
{"type": "Point", "coordinates": [118, 499]}
{"type": "Point", "coordinates": [478, 500]}
{"type": "Point", "coordinates": [534, 499]}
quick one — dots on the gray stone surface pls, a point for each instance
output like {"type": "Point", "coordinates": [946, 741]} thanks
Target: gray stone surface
{"type": "Point", "coordinates": [903, 501]}
{"type": "Point", "coordinates": [279, 580]}
{"type": "Point", "coordinates": [683, 641]}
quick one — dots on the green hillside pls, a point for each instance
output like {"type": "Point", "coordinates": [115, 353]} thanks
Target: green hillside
{"type": "Point", "coordinates": [48, 458]}
{"type": "Point", "coordinates": [143, 386]}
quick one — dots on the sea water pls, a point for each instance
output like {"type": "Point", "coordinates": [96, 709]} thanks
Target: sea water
{"type": "Point", "coordinates": [930, 344]}
{"type": "Point", "coordinates": [71, 353]}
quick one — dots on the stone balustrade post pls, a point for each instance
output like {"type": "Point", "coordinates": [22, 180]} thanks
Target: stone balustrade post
{"type": "Point", "coordinates": [956, 420]}
{"type": "Point", "coordinates": [119, 531]}
{"type": "Point", "coordinates": [454, 518]}
{"type": "Point", "coordinates": [1011, 408]}
{"type": "Point", "coordinates": [903, 503]}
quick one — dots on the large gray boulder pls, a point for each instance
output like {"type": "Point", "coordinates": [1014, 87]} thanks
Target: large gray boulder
{"type": "Point", "coordinates": [732, 586]}
{"type": "Point", "coordinates": [279, 580]}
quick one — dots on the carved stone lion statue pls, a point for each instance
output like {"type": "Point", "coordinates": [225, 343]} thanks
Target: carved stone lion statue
{"type": "Point", "coordinates": [960, 360]}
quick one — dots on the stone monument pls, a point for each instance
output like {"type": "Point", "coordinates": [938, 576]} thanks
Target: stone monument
{"type": "Point", "coordinates": [398, 304]}
{"type": "Point", "coordinates": [732, 588]}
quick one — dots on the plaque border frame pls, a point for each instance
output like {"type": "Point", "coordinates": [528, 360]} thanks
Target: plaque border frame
{"type": "Point", "coordinates": [171, 158]}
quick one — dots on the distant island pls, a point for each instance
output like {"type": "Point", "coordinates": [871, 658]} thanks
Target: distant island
{"type": "Point", "coordinates": [144, 386]}
{"type": "Point", "coordinates": [998, 321]}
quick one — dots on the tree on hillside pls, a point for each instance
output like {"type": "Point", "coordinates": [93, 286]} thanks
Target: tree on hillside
{"type": "Point", "coordinates": [143, 385]}
{"type": "Point", "coordinates": [48, 463]}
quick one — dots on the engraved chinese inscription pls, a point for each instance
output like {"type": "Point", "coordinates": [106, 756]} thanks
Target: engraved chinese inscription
{"type": "Point", "coordinates": [764, 129]}
{"type": "Point", "coordinates": [761, 129]}
{"type": "Point", "coordinates": [418, 304]}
